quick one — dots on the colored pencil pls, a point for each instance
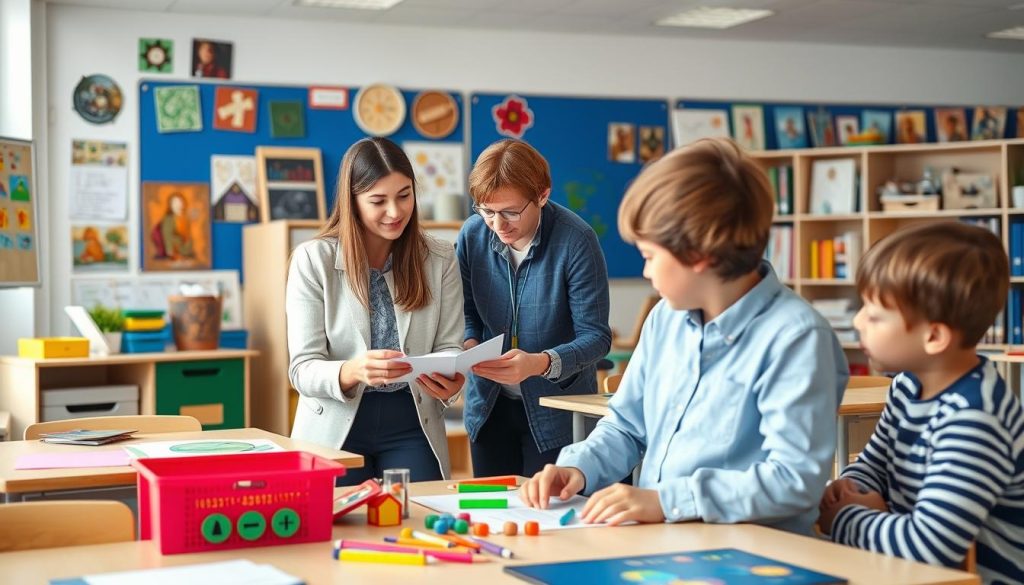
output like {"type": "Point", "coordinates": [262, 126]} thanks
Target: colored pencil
{"type": "Point", "coordinates": [494, 549]}
{"type": "Point", "coordinates": [476, 488]}
{"type": "Point", "coordinates": [432, 538]}
{"type": "Point", "coordinates": [390, 558]}
{"type": "Point", "coordinates": [416, 542]}
{"type": "Point", "coordinates": [567, 517]}
{"type": "Point", "coordinates": [448, 556]}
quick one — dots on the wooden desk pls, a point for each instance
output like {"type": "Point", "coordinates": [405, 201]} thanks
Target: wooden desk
{"type": "Point", "coordinates": [15, 483]}
{"type": "Point", "coordinates": [856, 402]}
{"type": "Point", "coordinates": [219, 380]}
{"type": "Point", "coordinates": [313, 562]}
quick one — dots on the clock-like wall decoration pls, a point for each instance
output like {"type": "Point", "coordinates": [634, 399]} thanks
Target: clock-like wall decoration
{"type": "Point", "coordinates": [435, 114]}
{"type": "Point", "coordinates": [379, 109]}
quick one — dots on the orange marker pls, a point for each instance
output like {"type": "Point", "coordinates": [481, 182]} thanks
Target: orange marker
{"type": "Point", "coordinates": [455, 538]}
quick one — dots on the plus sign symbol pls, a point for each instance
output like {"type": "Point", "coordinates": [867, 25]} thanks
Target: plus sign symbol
{"type": "Point", "coordinates": [235, 109]}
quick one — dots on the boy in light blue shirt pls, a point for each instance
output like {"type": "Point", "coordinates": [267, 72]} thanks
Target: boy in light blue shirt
{"type": "Point", "coordinates": [730, 398]}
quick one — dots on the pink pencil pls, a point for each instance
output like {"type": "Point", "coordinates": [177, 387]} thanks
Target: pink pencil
{"type": "Point", "coordinates": [447, 556]}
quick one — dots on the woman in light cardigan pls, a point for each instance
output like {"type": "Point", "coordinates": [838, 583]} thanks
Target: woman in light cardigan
{"type": "Point", "coordinates": [372, 287]}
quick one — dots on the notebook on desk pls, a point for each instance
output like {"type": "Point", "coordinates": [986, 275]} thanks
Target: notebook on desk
{"type": "Point", "coordinates": [720, 567]}
{"type": "Point", "coordinates": [86, 437]}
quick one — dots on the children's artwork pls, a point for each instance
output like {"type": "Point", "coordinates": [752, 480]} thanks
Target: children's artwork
{"type": "Point", "coordinates": [233, 188]}
{"type": "Point", "coordinates": [24, 242]}
{"type": "Point", "coordinates": [989, 123]}
{"type": "Point", "coordinates": [820, 127]}
{"type": "Point", "coordinates": [23, 218]}
{"type": "Point", "coordinates": [150, 291]}
{"type": "Point", "coordinates": [328, 98]}
{"type": "Point", "coordinates": [790, 131]}
{"type": "Point", "coordinates": [516, 511]}
{"type": "Point", "coordinates": [833, 186]}
{"type": "Point", "coordinates": [726, 566]}
{"type": "Point", "coordinates": [97, 98]}
{"type": "Point", "coordinates": [156, 55]}
{"type": "Point", "coordinates": [439, 168]}
{"type": "Point", "coordinates": [201, 447]}
{"type": "Point", "coordinates": [512, 117]}
{"type": "Point", "coordinates": [19, 261]}
{"type": "Point", "coordinates": [846, 128]}
{"type": "Point", "coordinates": [98, 181]}
{"type": "Point", "coordinates": [5, 220]}
{"type": "Point", "coordinates": [176, 226]}
{"type": "Point", "coordinates": [748, 126]}
{"type": "Point", "coordinates": [235, 109]}
{"type": "Point", "coordinates": [621, 142]}
{"type": "Point", "coordinates": [290, 183]}
{"type": "Point", "coordinates": [20, 190]}
{"type": "Point", "coordinates": [287, 119]}
{"type": "Point", "coordinates": [692, 125]}
{"type": "Point", "coordinates": [878, 121]}
{"type": "Point", "coordinates": [177, 108]}
{"type": "Point", "coordinates": [652, 143]}
{"type": "Point", "coordinates": [211, 59]}
{"type": "Point", "coordinates": [97, 248]}
{"type": "Point", "coordinates": [910, 127]}
{"type": "Point", "coordinates": [951, 124]}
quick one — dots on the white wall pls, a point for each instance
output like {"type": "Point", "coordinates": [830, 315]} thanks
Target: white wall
{"type": "Point", "coordinates": [84, 41]}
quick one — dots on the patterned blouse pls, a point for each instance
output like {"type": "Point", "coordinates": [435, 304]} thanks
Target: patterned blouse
{"type": "Point", "coordinates": [383, 324]}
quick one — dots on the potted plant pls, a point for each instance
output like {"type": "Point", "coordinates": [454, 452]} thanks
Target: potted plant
{"type": "Point", "coordinates": [111, 323]}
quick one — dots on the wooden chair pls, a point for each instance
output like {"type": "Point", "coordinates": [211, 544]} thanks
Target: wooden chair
{"type": "Point", "coordinates": [634, 338]}
{"type": "Point", "coordinates": [144, 423]}
{"type": "Point", "coordinates": [868, 381]}
{"type": "Point", "coordinates": [5, 425]}
{"type": "Point", "coordinates": [970, 563]}
{"type": "Point", "coordinates": [32, 525]}
{"type": "Point", "coordinates": [611, 383]}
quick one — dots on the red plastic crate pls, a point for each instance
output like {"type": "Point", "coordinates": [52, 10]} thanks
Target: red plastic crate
{"type": "Point", "coordinates": [196, 504]}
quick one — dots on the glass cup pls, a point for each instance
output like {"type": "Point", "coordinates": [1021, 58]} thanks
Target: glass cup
{"type": "Point", "coordinates": [396, 483]}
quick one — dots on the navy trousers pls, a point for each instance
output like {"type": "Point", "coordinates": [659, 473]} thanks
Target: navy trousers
{"type": "Point", "coordinates": [388, 435]}
{"type": "Point", "coordinates": [505, 445]}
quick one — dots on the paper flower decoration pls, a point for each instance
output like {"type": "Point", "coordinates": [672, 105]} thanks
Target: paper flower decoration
{"type": "Point", "coordinates": [512, 117]}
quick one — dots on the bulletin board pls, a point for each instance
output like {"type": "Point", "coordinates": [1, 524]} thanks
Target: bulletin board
{"type": "Point", "coordinates": [184, 157]}
{"type": "Point", "coordinates": [855, 110]}
{"type": "Point", "coordinates": [19, 220]}
{"type": "Point", "coordinates": [572, 133]}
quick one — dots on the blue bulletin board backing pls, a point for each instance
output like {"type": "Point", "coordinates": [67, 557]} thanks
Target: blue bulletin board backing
{"type": "Point", "coordinates": [572, 134]}
{"type": "Point", "coordinates": [184, 157]}
{"type": "Point", "coordinates": [856, 110]}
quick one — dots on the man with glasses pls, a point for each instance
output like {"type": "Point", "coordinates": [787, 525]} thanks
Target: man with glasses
{"type": "Point", "coordinates": [534, 271]}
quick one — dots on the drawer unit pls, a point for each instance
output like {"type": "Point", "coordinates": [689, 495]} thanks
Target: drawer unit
{"type": "Point", "coordinates": [67, 403]}
{"type": "Point", "coordinates": [212, 391]}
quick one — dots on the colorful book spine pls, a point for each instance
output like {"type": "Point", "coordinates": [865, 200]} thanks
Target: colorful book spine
{"type": "Point", "coordinates": [142, 324]}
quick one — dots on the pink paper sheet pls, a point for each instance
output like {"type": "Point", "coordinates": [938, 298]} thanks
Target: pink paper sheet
{"type": "Point", "coordinates": [106, 458]}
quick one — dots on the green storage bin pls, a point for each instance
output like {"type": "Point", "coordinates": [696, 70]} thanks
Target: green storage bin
{"type": "Point", "coordinates": [211, 390]}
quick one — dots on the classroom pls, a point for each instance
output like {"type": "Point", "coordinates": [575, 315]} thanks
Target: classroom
{"type": "Point", "coordinates": [716, 291]}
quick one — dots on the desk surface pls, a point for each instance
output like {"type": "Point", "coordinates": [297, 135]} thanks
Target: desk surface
{"type": "Point", "coordinates": [313, 562]}
{"type": "Point", "coordinates": [855, 401]}
{"type": "Point", "coordinates": [40, 480]}
{"type": "Point", "coordinates": [130, 358]}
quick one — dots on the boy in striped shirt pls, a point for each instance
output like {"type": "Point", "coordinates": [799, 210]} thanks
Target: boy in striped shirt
{"type": "Point", "coordinates": [944, 467]}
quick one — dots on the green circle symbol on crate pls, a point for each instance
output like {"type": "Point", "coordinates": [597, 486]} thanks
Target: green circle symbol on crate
{"type": "Point", "coordinates": [211, 447]}
{"type": "Point", "coordinates": [285, 522]}
{"type": "Point", "coordinates": [216, 528]}
{"type": "Point", "coordinates": [251, 525]}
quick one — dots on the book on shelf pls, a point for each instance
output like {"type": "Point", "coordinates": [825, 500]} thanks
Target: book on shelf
{"type": "Point", "coordinates": [780, 251]}
{"type": "Point", "coordinates": [86, 437]}
{"type": "Point", "coordinates": [839, 313]}
{"type": "Point", "coordinates": [834, 186]}
{"type": "Point", "coordinates": [837, 257]}
{"type": "Point", "coordinates": [781, 179]}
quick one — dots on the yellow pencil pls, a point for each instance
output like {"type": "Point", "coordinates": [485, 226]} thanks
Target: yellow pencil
{"type": "Point", "coordinates": [392, 558]}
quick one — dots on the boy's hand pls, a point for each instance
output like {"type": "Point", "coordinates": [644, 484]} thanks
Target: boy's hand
{"type": "Point", "coordinates": [564, 481]}
{"type": "Point", "coordinates": [834, 489]}
{"type": "Point", "coordinates": [620, 503]}
{"type": "Point", "coordinates": [847, 494]}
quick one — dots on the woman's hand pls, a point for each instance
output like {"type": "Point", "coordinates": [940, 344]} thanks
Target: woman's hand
{"type": "Point", "coordinates": [513, 367]}
{"type": "Point", "coordinates": [439, 387]}
{"type": "Point", "coordinates": [373, 368]}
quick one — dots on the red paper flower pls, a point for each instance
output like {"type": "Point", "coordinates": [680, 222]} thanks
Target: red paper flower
{"type": "Point", "coordinates": [512, 117]}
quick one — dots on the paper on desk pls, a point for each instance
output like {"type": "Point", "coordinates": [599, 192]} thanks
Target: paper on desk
{"type": "Point", "coordinates": [107, 458]}
{"type": "Point", "coordinates": [201, 447]}
{"type": "Point", "coordinates": [517, 511]}
{"type": "Point", "coordinates": [450, 361]}
{"type": "Point", "coordinates": [239, 572]}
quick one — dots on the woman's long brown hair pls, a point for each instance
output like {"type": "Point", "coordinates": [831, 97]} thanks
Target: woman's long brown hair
{"type": "Point", "coordinates": [365, 163]}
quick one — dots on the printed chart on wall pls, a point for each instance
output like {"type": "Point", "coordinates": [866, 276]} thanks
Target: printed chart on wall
{"type": "Point", "coordinates": [595, 147]}
{"type": "Point", "coordinates": [19, 251]}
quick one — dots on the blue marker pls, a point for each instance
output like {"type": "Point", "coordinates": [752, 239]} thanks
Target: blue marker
{"type": "Point", "coordinates": [567, 517]}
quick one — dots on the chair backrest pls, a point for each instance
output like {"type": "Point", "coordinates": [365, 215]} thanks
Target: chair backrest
{"type": "Point", "coordinates": [31, 525]}
{"type": "Point", "coordinates": [611, 383]}
{"type": "Point", "coordinates": [970, 563]}
{"type": "Point", "coordinates": [634, 338]}
{"type": "Point", "coordinates": [144, 423]}
{"type": "Point", "coordinates": [868, 381]}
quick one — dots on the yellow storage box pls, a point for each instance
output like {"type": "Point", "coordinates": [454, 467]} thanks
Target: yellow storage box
{"type": "Point", "coordinates": [53, 347]}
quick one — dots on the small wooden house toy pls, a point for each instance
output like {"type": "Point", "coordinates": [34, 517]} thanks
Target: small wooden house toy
{"type": "Point", "coordinates": [384, 510]}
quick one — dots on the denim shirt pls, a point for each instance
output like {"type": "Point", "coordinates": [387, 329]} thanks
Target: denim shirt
{"type": "Point", "coordinates": [562, 290]}
{"type": "Point", "coordinates": [735, 419]}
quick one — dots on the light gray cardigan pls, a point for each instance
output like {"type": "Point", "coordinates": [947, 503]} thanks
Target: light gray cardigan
{"type": "Point", "coordinates": [328, 325]}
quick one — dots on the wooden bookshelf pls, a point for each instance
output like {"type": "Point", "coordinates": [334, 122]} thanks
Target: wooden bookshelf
{"type": "Point", "coordinates": [1003, 159]}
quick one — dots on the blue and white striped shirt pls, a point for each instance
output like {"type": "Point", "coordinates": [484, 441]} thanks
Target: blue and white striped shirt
{"type": "Point", "coordinates": [951, 470]}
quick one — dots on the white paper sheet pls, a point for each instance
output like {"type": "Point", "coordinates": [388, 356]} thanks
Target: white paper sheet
{"type": "Point", "coordinates": [450, 361]}
{"type": "Point", "coordinates": [98, 189]}
{"type": "Point", "coordinates": [517, 511]}
{"type": "Point", "coordinates": [201, 447]}
{"type": "Point", "coordinates": [236, 572]}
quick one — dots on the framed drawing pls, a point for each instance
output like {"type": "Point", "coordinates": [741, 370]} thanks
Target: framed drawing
{"type": "Point", "coordinates": [176, 226]}
{"type": "Point", "coordinates": [290, 183]}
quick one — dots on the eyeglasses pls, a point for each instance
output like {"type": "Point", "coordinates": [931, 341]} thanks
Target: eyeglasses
{"type": "Point", "coordinates": [509, 216]}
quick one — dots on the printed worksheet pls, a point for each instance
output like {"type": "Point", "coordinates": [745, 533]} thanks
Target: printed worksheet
{"type": "Point", "coordinates": [450, 361]}
{"type": "Point", "coordinates": [517, 511]}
